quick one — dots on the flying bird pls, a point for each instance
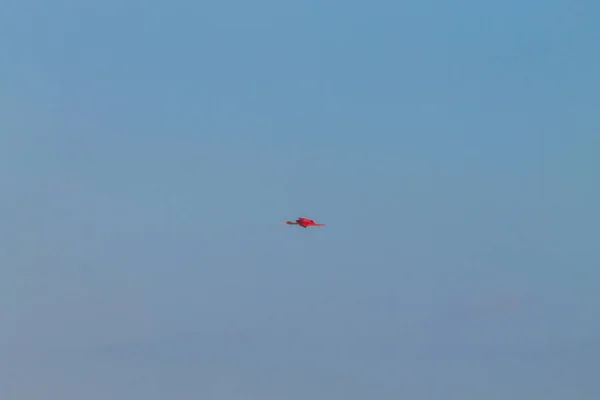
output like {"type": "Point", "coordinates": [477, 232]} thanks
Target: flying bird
{"type": "Point", "coordinates": [303, 222]}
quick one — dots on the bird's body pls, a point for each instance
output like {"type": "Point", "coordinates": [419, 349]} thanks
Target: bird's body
{"type": "Point", "coordinates": [303, 222]}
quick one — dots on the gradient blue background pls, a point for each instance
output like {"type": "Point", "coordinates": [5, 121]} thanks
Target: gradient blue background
{"type": "Point", "coordinates": [150, 150]}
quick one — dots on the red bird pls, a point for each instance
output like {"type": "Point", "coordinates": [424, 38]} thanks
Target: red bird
{"type": "Point", "coordinates": [303, 222]}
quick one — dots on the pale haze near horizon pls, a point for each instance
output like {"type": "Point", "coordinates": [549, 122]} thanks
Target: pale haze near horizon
{"type": "Point", "coordinates": [150, 151]}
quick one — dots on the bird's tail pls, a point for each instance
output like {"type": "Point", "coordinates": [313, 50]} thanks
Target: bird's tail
{"type": "Point", "coordinates": [289, 223]}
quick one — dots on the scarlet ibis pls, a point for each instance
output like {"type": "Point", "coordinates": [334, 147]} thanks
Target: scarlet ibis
{"type": "Point", "coordinates": [303, 222]}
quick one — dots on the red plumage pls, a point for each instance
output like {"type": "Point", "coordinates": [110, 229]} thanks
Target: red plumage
{"type": "Point", "coordinates": [303, 222]}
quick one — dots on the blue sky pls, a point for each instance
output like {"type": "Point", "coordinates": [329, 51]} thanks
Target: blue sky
{"type": "Point", "coordinates": [150, 150]}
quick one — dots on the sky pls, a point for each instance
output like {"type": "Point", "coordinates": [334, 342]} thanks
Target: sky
{"type": "Point", "coordinates": [149, 152]}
